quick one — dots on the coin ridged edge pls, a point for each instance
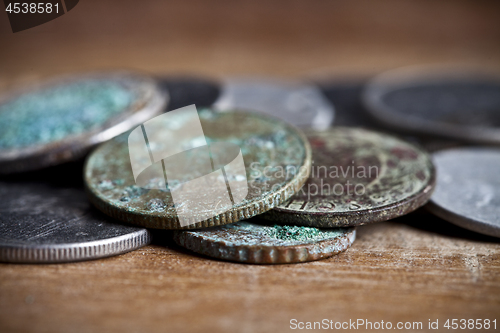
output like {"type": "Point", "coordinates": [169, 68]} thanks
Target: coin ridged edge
{"type": "Point", "coordinates": [258, 254]}
{"type": "Point", "coordinates": [249, 210]}
{"type": "Point", "coordinates": [59, 253]}
{"type": "Point", "coordinates": [74, 147]}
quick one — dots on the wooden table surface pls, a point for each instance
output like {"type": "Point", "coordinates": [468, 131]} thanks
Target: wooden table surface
{"type": "Point", "coordinates": [414, 269]}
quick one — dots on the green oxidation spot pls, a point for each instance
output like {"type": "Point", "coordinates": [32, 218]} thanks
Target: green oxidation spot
{"type": "Point", "coordinates": [54, 113]}
{"type": "Point", "coordinates": [132, 192]}
{"type": "Point", "coordinates": [293, 233]}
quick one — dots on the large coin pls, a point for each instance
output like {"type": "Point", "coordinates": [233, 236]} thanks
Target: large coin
{"type": "Point", "coordinates": [265, 143]}
{"type": "Point", "coordinates": [59, 120]}
{"type": "Point", "coordinates": [468, 189]}
{"type": "Point", "coordinates": [358, 177]}
{"type": "Point", "coordinates": [299, 104]}
{"type": "Point", "coordinates": [40, 223]}
{"type": "Point", "coordinates": [452, 102]}
{"type": "Point", "coordinates": [254, 243]}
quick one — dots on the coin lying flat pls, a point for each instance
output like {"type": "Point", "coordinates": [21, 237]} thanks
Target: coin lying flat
{"type": "Point", "coordinates": [254, 243]}
{"type": "Point", "coordinates": [358, 177]}
{"type": "Point", "coordinates": [40, 223]}
{"type": "Point", "coordinates": [60, 120]}
{"type": "Point", "coordinates": [468, 189]}
{"type": "Point", "coordinates": [299, 104]}
{"type": "Point", "coordinates": [264, 143]}
{"type": "Point", "coordinates": [455, 103]}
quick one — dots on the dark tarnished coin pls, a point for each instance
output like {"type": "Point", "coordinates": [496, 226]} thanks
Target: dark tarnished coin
{"type": "Point", "coordinates": [468, 189]}
{"type": "Point", "coordinates": [254, 243]}
{"type": "Point", "coordinates": [358, 177]}
{"type": "Point", "coordinates": [456, 103]}
{"type": "Point", "coordinates": [299, 104]}
{"type": "Point", "coordinates": [61, 119]}
{"type": "Point", "coordinates": [264, 143]}
{"type": "Point", "coordinates": [40, 223]}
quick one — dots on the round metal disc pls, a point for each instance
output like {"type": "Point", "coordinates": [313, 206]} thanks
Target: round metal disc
{"type": "Point", "coordinates": [300, 105]}
{"type": "Point", "coordinates": [358, 177]}
{"type": "Point", "coordinates": [455, 103]}
{"type": "Point", "coordinates": [59, 120]}
{"type": "Point", "coordinates": [264, 142]}
{"type": "Point", "coordinates": [468, 189]}
{"type": "Point", "coordinates": [253, 243]}
{"type": "Point", "coordinates": [40, 223]}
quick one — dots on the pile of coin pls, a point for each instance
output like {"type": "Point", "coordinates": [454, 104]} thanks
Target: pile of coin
{"type": "Point", "coordinates": [258, 173]}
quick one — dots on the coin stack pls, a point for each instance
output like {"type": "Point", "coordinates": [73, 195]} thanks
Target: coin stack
{"type": "Point", "coordinates": [257, 172]}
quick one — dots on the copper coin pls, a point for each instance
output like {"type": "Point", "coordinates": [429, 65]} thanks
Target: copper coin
{"type": "Point", "coordinates": [358, 177]}
{"type": "Point", "coordinates": [254, 243]}
{"type": "Point", "coordinates": [458, 103]}
{"type": "Point", "coordinates": [59, 120]}
{"type": "Point", "coordinates": [264, 143]}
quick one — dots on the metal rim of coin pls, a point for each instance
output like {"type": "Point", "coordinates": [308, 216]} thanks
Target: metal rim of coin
{"type": "Point", "coordinates": [146, 100]}
{"type": "Point", "coordinates": [44, 224]}
{"type": "Point", "coordinates": [437, 102]}
{"type": "Point", "coordinates": [468, 189]}
{"type": "Point", "coordinates": [394, 178]}
{"type": "Point", "coordinates": [299, 104]}
{"type": "Point", "coordinates": [253, 243]}
{"type": "Point", "coordinates": [266, 140]}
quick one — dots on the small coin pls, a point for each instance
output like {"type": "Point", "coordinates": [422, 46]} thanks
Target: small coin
{"type": "Point", "coordinates": [456, 103]}
{"type": "Point", "coordinates": [299, 104]}
{"type": "Point", "coordinates": [59, 120]}
{"type": "Point", "coordinates": [468, 188]}
{"type": "Point", "coordinates": [254, 243]}
{"type": "Point", "coordinates": [358, 177]}
{"type": "Point", "coordinates": [40, 223]}
{"type": "Point", "coordinates": [266, 144]}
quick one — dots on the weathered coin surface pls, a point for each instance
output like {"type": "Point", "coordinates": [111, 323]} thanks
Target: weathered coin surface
{"type": "Point", "coordinates": [358, 177]}
{"type": "Point", "coordinates": [468, 188]}
{"type": "Point", "coordinates": [40, 223]}
{"type": "Point", "coordinates": [265, 143]}
{"type": "Point", "coordinates": [254, 243]}
{"type": "Point", "coordinates": [59, 120]}
{"type": "Point", "coordinates": [456, 103]}
{"type": "Point", "coordinates": [299, 104]}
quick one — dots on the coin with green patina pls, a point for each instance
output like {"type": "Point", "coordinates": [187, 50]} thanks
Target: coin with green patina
{"type": "Point", "coordinates": [256, 243]}
{"type": "Point", "coordinates": [59, 120]}
{"type": "Point", "coordinates": [358, 177]}
{"type": "Point", "coordinates": [263, 143]}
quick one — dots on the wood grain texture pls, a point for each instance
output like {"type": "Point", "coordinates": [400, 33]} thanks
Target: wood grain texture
{"type": "Point", "coordinates": [413, 269]}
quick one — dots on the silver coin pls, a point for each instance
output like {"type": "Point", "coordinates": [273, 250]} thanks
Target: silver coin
{"type": "Point", "coordinates": [457, 103]}
{"type": "Point", "coordinates": [468, 188]}
{"type": "Point", "coordinates": [300, 105]}
{"type": "Point", "coordinates": [59, 120]}
{"type": "Point", "coordinates": [40, 223]}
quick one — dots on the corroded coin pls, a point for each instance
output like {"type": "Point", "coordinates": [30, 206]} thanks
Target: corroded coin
{"type": "Point", "coordinates": [61, 119]}
{"type": "Point", "coordinates": [264, 143]}
{"type": "Point", "coordinates": [358, 177]}
{"type": "Point", "coordinates": [456, 103]}
{"type": "Point", "coordinates": [254, 243]}
{"type": "Point", "coordinates": [40, 223]}
{"type": "Point", "coordinates": [299, 104]}
{"type": "Point", "coordinates": [468, 188]}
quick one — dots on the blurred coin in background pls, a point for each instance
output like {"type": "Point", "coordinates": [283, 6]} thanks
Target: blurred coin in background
{"type": "Point", "coordinates": [299, 104]}
{"type": "Point", "coordinates": [59, 120]}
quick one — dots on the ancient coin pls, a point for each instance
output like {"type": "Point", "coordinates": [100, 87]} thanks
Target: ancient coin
{"type": "Point", "coordinates": [468, 188]}
{"type": "Point", "coordinates": [299, 104]}
{"type": "Point", "coordinates": [254, 243]}
{"type": "Point", "coordinates": [358, 177]}
{"type": "Point", "coordinates": [40, 223]}
{"type": "Point", "coordinates": [455, 103]}
{"type": "Point", "coordinates": [59, 120]}
{"type": "Point", "coordinates": [266, 144]}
